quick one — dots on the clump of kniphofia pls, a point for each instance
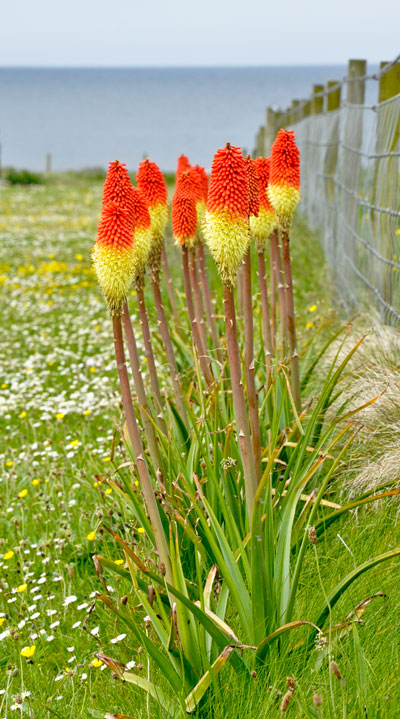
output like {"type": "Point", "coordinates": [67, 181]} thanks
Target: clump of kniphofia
{"type": "Point", "coordinates": [183, 214]}
{"type": "Point", "coordinates": [284, 181]}
{"type": "Point", "coordinates": [225, 224]}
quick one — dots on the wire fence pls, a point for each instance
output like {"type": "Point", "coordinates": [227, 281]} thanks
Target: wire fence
{"type": "Point", "coordinates": [350, 167]}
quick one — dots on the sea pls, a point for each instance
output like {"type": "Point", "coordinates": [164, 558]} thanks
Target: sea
{"type": "Point", "coordinates": [88, 117]}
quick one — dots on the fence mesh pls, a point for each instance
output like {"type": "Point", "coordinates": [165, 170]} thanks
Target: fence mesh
{"type": "Point", "coordinates": [351, 193]}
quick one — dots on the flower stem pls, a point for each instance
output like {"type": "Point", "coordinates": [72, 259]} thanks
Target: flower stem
{"type": "Point", "coordinates": [198, 301]}
{"type": "Point", "coordinates": [262, 278]}
{"type": "Point", "coordinates": [204, 364]}
{"type": "Point", "coordinates": [291, 320]}
{"type": "Point", "coordinates": [239, 404]}
{"type": "Point", "coordinates": [145, 412]}
{"type": "Point", "coordinates": [170, 288]}
{"type": "Point", "coordinates": [273, 274]}
{"type": "Point", "coordinates": [249, 363]}
{"type": "Point", "coordinates": [210, 312]}
{"type": "Point", "coordinates": [169, 351]}
{"type": "Point", "coordinates": [137, 447]}
{"type": "Point", "coordinates": [276, 261]}
{"type": "Point", "coordinates": [148, 350]}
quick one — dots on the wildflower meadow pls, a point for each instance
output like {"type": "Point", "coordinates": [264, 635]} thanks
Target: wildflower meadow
{"type": "Point", "coordinates": [183, 530]}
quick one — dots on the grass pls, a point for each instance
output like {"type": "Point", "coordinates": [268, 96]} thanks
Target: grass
{"type": "Point", "coordinates": [59, 410]}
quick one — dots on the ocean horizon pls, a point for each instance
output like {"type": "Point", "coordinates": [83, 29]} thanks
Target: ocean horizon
{"type": "Point", "coordinates": [87, 117]}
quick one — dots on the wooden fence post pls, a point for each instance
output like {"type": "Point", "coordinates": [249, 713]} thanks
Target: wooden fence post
{"type": "Point", "coordinates": [270, 121]}
{"type": "Point", "coordinates": [317, 100]}
{"type": "Point", "coordinates": [48, 163]}
{"type": "Point", "coordinates": [386, 178]}
{"type": "Point", "coordinates": [332, 105]}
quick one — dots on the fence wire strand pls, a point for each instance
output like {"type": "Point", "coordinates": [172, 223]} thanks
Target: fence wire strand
{"type": "Point", "coordinates": [350, 166]}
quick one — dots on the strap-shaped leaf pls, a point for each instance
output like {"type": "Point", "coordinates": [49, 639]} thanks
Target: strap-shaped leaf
{"type": "Point", "coordinates": [193, 699]}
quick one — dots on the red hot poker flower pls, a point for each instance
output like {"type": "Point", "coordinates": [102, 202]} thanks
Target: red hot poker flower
{"type": "Point", "coordinates": [142, 235]}
{"type": "Point", "coordinates": [228, 188]}
{"type": "Point", "coordinates": [183, 164]}
{"type": "Point", "coordinates": [263, 166]}
{"type": "Point", "coordinates": [254, 193]}
{"type": "Point", "coordinates": [184, 215]}
{"type": "Point", "coordinates": [113, 230]}
{"type": "Point", "coordinates": [284, 182]}
{"type": "Point", "coordinates": [118, 188]}
{"type": "Point", "coordinates": [150, 181]}
{"type": "Point", "coordinates": [226, 224]}
{"type": "Point", "coordinates": [140, 210]}
{"type": "Point", "coordinates": [113, 255]}
{"type": "Point", "coordinates": [200, 171]}
{"type": "Point", "coordinates": [266, 222]}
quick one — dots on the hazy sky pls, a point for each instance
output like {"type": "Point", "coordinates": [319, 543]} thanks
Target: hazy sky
{"type": "Point", "coordinates": [202, 32]}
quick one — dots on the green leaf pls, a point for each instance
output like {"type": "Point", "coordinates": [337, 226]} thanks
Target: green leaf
{"type": "Point", "coordinates": [347, 581]}
{"type": "Point", "coordinates": [263, 647]}
{"type": "Point", "coordinates": [168, 705]}
{"type": "Point", "coordinates": [193, 699]}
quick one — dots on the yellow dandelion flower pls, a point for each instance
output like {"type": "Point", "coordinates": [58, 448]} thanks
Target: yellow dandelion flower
{"type": "Point", "coordinates": [79, 257]}
{"type": "Point", "coordinates": [118, 562]}
{"type": "Point", "coordinates": [106, 459]}
{"type": "Point", "coordinates": [22, 415]}
{"type": "Point", "coordinates": [312, 308]}
{"type": "Point", "coordinates": [96, 663]}
{"type": "Point", "coordinates": [91, 536]}
{"type": "Point", "coordinates": [9, 554]}
{"type": "Point", "coordinates": [22, 493]}
{"type": "Point", "coordinates": [60, 415]}
{"type": "Point", "coordinates": [22, 588]}
{"type": "Point", "coordinates": [28, 652]}
{"type": "Point", "coordinates": [92, 369]}
{"type": "Point", "coordinates": [4, 385]}
{"type": "Point", "coordinates": [309, 325]}
{"type": "Point", "coordinates": [140, 530]}
{"type": "Point", "coordinates": [87, 412]}
{"type": "Point", "coordinates": [36, 481]}
{"type": "Point", "coordinates": [10, 463]}
{"type": "Point", "coordinates": [108, 490]}
{"type": "Point", "coordinates": [2, 620]}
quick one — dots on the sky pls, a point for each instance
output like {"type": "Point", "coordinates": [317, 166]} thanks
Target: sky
{"type": "Point", "coordinates": [92, 33]}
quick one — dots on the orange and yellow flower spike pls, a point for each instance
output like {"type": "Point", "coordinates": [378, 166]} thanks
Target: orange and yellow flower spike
{"type": "Point", "coordinates": [284, 182]}
{"type": "Point", "coordinates": [113, 255]}
{"type": "Point", "coordinates": [267, 221]}
{"type": "Point", "coordinates": [183, 214]}
{"type": "Point", "coordinates": [254, 194]}
{"type": "Point", "coordinates": [151, 183]}
{"type": "Point", "coordinates": [142, 232]}
{"type": "Point", "coordinates": [198, 189]}
{"type": "Point", "coordinates": [226, 225]}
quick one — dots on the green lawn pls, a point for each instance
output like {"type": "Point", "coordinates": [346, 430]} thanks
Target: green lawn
{"type": "Point", "coordinates": [59, 413]}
